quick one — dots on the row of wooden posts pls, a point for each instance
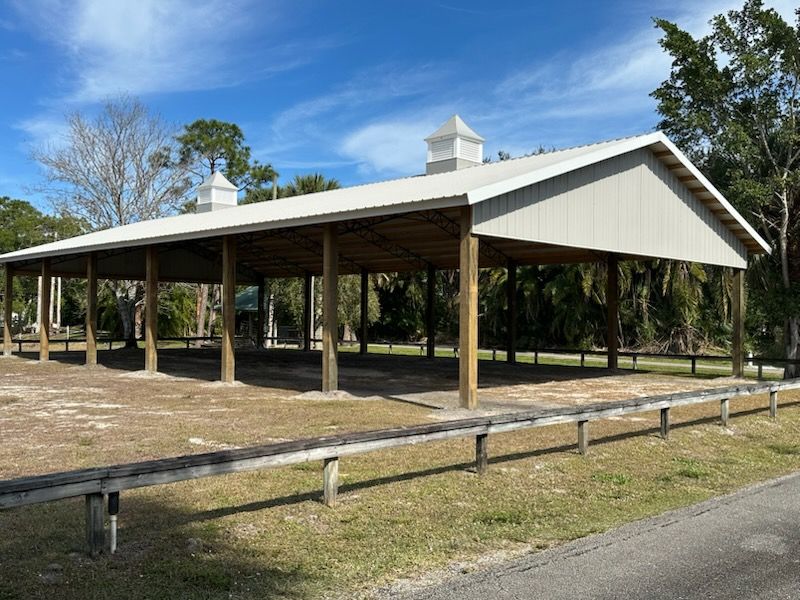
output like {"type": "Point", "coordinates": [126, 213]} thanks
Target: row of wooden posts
{"type": "Point", "coordinates": [99, 483]}
{"type": "Point", "coordinates": [468, 311]}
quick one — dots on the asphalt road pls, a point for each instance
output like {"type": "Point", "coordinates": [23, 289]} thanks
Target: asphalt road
{"type": "Point", "coordinates": [746, 545]}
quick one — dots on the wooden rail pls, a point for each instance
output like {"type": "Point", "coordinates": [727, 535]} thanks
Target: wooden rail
{"type": "Point", "coordinates": [95, 483]}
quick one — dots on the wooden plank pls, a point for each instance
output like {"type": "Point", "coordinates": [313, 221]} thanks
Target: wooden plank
{"type": "Point", "coordinates": [737, 317]}
{"type": "Point", "coordinates": [468, 313]}
{"type": "Point", "coordinates": [583, 437]}
{"type": "Point", "coordinates": [308, 317]}
{"type": "Point", "coordinates": [511, 311]}
{"type": "Point", "coordinates": [665, 423]}
{"type": "Point", "coordinates": [151, 310]}
{"type": "Point", "coordinates": [44, 316]}
{"type": "Point", "coordinates": [481, 453]}
{"type": "Point", "coordinates": [330, 477]}
{"type": "Point", "coordinates": [362, 335]}
{"type": "Point", "coordinates": [95, 524]}
{"type": "Point", "coordinates": [430, 311]}
{"type": "Point", "coordinates": [8, 312]}
{"type": "Point", "coordinates": [612, 306]}
{"type": "Point", "coordinates": [91, 309]}
{"type": "Point", "coordinates": [330, 307]}
{"type": "Point", "coordinates": [724, 411]}
{"type": "Point", "coordinates": [228, 366]}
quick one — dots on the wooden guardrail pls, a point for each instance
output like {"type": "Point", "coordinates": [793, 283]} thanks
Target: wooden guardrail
{"type": "Point", "coordinates": [97, 483]}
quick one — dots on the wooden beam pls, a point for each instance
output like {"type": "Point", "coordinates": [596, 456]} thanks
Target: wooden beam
{"type": "Point", "coordinates": [308, 316]}
{"type": "Point", "coordinates": [260, 320]}
{"type": "Point", "coordinates": [330, 306]}
{"type": "Point", "coordinates": [151, 310]}
{"type": "Point", "coordinates": [468, 313]}
{"type": "Point", "coordinates": [362, 334]}
{"type": "Point", "coordinates": [737, 316]}
{"type": "Point", "coordinates": [330, 481]}
{"type": "Point", "coordinates": [430, 311]}
{"type": "Point", "coordinates": [44, 312]}
{"type": "Point", "coordinates": [511, 312]}
{"type": "Point", "coordinates": [8, 311]}
{"type": "Point", "coordinates": [612, 305]}
{"type": "Point", "coordinates": [95, 526]}
{"type": "Point", "coordinates": [228, 374]}
{"type": "Point", "coordinates": [91, 309]}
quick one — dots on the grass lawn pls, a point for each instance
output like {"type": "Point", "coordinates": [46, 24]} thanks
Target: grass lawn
{"type": "Point", "coordinates": [401, 512]}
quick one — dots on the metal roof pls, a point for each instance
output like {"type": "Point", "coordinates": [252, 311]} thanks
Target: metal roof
{"type": "Point", "coordinates": [463, 187]}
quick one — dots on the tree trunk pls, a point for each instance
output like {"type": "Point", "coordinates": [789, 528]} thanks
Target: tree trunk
{"type": "Point", "coordinates": [792, 324]}
{"type": "Point", "coordinates": [126, 306]}
{"type": "Point", "coordinates": [792, 336]}
{"type": "Point", "coordinates": [212, 313]}
{"type": "Point", "coordinates": [200, 312]}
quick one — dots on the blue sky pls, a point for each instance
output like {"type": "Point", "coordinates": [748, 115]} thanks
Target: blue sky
{"type": "Point", "coordinates": [346, 88]}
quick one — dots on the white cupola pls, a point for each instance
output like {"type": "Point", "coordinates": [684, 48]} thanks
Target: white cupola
{"type": "Point", "coordinates": [215, 193]}
{"type": "Point", "coordinates": [453, 146]}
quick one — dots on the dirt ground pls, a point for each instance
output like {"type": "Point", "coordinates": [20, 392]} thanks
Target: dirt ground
{"type": "Point", "coordinates": [61, 414]}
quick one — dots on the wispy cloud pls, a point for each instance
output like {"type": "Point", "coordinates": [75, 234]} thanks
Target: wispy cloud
{"type": "Point", "coordinates": [142, 46]}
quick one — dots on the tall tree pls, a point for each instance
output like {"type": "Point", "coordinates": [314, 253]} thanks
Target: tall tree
{"type": "Point", "coordinates": [117, 168]}
{"type": "Point", "coordinates": [732, 101]}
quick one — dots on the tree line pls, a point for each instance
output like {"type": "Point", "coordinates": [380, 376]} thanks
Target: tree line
{"type": "Point", "coordinates": [730, 102]}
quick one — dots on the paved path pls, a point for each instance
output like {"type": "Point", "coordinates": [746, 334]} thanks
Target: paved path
{"type": "Point", "coordinates": [743, 546]}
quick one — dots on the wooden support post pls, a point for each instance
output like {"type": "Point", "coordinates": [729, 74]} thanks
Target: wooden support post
{"type": "Point", "coordinates": [694, 365]}
{"type": "Point", "coordinates": [612, 305]}
{"type": "Point", "coordinates": [362, 334]}
{"type": "Point", "coordinates": [773, 403]}
{"type": "Point", "coordinates": [308, 315]}
{"type": "Point", "coordinates": [724, 411]}
{"type": "Point", "coordinates": [91, 309]}
{"type": "Point", "coordinates": [44, 311]}
{"type": "Point", "coordinates": [511, 316]}
{"type": "Point", "coordinates": [8, 312]}
{"type": "Point", "coordinates": [737, 316]}
{"type": "Point", "coordinates": [95, 524]}
{"type": "Point", "coordinates": [665, 423]}
{"type": "Point", "coordinates": [583, 437]}
{"type": "Point", "coordinates": [330, 481]}
{"type": "Point", "coordinates": [151, 310]}
{"type": "Point", "coordinates": [260, 314]}
{"type": "Point", "coordinates": [430, 311]}
{"type": "Point", "coordinates": [468, 313]}
{"type": "Point", "coordinates": [228, 308]}
{"type": "Point", "coordinates": [481, 453]}
{"type": "Point", "coordinates": [330, 306]}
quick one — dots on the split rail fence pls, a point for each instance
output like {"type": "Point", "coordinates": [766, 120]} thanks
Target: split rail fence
{"type": "Point", "coordinates": [99, 484]}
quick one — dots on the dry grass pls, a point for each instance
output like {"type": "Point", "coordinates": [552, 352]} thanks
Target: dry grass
{"type": "Point", "coordinates": [265, 534]}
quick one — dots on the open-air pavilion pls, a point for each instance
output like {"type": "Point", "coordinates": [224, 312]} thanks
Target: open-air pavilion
{"type": "Point", "coordinates": [630, 199]}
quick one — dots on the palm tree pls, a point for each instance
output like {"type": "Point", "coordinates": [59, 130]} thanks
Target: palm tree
{"type": "Point", "coordinates": [308, 184]}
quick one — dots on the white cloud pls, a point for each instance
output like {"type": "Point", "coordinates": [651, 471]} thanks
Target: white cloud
{"type": "Point", "coordinates": [145, 46]}
{"type": "Point", "coordinates": [394, 147]}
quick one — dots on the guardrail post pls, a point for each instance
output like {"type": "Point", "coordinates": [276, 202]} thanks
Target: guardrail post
{"type": "Point", "coordinates": [634, 362]}
{"type": "Point", "coordinates": [724, 406]}
{"type": "Point", "coordinates": [761, 370]}
{"type": "Point", "coordinates": [773, 403]}
{"type": "Point", "coordinates": [95, 530]}
{"type": "Point", "coordinates": [330, 481]}
{"type": "Point", "coordinates": [694, 365]}
{"type": "Point", "coordinates": [113, 511]}
{"type": "Point", "coordinates": [583, 359]}
{"type": "Point", "coordinates": [583, 437]}
{"type": "Point", "coordinates": [66, 344]}
{"type": "Point", "coordinates": [665, 422]}
{"type": "Point", "coordinates": [536, 357]}
{"type": "Point", "coordinates": [481, 453]}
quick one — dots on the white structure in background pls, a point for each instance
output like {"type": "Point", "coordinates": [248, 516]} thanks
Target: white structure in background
{"type": "Point", "coordinates": [216, 193]}
{"type": "Point", "coordinates": [453, 146]}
